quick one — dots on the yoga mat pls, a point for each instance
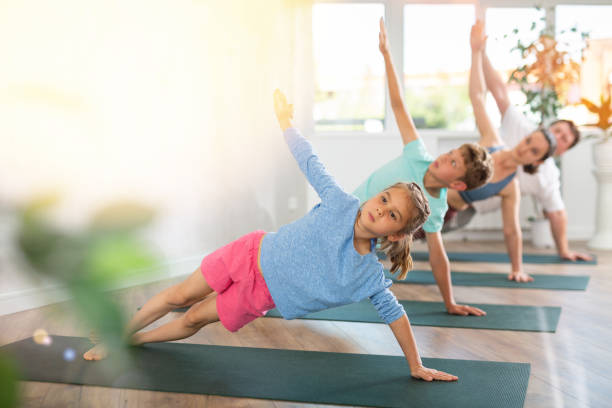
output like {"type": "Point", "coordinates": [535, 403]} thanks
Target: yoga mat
{"type": "Point", "coordinates": [499, 280]}
{"type": "Point", "coordinates": [301, 376]}
{"type": "Point", "coordinates": [497, 257]}
{"type": "Point", "coordinates": [499, 317]}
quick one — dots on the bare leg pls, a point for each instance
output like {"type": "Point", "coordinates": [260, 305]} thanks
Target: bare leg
{"type": "Point", "coordinates": [198, 316]}
{"type": "Point", "coordinates": [191, 290]}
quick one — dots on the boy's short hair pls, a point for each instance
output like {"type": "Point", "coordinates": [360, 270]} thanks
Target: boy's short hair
{"type": "Point", "coordinates": [478, 165]}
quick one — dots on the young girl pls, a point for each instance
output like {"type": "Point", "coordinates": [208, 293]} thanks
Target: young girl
{"type": "Point", "coordinates": [323, 260]}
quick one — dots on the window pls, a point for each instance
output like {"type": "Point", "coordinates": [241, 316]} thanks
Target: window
{"type": "Point", "coordinates": [596, 71]}
{"type": "Point", "coordinates": [349, 70]}
{"type": "Point", "coordinates": [505, 27]}
{"type": "Point", "coordinates": [437, 63]}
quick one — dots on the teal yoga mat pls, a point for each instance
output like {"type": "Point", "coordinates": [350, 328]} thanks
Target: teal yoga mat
{"type": "Point", "coordinates": [500, 280]}
{"type": "Point", "coordinates": [499, 317]}
{"type": "Point", "coordinates": [497, 257]}
{"type": "Point", "coordinates": [301, 376]}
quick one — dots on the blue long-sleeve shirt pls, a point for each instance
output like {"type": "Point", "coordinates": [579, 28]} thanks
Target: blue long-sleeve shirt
{"type": "Point", "coordinates": [312, 264]}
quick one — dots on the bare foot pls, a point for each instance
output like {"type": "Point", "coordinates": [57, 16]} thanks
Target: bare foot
{"type": "Point", "coordinates": [136, 339]}
{"type": "Point", "coordinates": [98, 352]}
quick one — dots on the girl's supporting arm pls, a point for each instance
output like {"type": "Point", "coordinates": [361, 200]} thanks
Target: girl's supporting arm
{"type": "Point", "coordinates": [403, 333]}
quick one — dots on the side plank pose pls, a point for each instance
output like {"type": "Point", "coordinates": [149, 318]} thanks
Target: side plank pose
{"type": "Point", "coordinates": [464, 168]}
{"type": "Point", "coordinates": [530, 152]}
{"type": "Point", "coordinates": [325, 259]}
{"type": "Point", "coordinates": [543, 185]}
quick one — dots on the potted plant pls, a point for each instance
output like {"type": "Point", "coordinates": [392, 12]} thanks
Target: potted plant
{"type": "Point", "coordinates": [546, 74]}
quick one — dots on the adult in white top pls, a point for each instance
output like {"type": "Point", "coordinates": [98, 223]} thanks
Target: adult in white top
{"type": "Point", "coordinates": [544, 185]}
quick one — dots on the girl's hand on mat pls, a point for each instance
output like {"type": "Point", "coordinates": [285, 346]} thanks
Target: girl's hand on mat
{"type": "Point", "coordinates": [430, 374]}
{"type": "Point", "coordinates": [283, 110]}
{"type": "Point", "coordinates": [520, 276]}
{"type": "Point", "coordinates": [383, 42]}
{"type": "Point", "coordinates": [576, 256]}
{"type": "Point", "coordinates": [465, 310]}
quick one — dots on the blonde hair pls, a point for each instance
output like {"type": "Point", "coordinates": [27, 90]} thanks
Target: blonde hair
{"type": "Point", "coordinates": [478, 165]}
{"type": "Point", "coordinates": [398, 252]}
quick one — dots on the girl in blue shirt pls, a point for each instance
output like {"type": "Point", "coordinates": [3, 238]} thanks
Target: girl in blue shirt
{"type": "Point", "coordinates": [325, 259]}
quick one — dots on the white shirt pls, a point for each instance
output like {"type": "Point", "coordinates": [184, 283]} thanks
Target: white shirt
{"type": "Point", "coordinates": [545, 185]}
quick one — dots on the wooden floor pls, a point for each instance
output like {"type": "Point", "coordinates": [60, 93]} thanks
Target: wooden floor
{"type": "Point", "coordinates": [569, 368]}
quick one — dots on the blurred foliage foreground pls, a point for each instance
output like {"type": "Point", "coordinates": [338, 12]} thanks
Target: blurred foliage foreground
{"type": "Point", "coordinates": [87, 263]}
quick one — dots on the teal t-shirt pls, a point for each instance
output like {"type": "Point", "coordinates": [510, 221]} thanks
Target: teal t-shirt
{"type": "Point", "coordinates": [410, 166]}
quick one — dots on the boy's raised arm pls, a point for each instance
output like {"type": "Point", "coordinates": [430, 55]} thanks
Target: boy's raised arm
{"type": "Point", "coordinates": [402, 117]}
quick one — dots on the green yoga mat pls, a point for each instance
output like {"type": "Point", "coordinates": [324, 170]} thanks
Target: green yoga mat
{"type": "Point", "coordinates": [499, 317]}
{"type": "Point", "coordinates": [499, 280]}
{"type": "Point", "coordinates": [497, 257]}
{"type": "Point", "coordinates": [302, 376]}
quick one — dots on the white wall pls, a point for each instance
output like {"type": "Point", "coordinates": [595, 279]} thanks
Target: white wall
{"type": "Point", "coordinates": [165, 103]}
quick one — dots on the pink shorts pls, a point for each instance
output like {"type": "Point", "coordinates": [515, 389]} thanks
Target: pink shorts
{"type": "Point", "coordinates": [233, 272]}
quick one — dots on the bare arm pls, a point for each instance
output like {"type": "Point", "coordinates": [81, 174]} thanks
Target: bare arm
{"type": "Point", "coordinates": [403, 333]}
{"type": "Point", "coordinates": [478, 90]}
{"type": "Point", "coordinates": [512, 231]}
{"type": "Point", "coordinates": [558, 227]}
{"type": "Point", "coordinates": [495, 84]}
{"type": "Point", "coordinates": [440, 268]}
{"type": "Point", "coordinates": [402, 117]}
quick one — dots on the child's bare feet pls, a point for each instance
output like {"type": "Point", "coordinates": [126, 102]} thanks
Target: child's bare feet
{"type": "Point", "coordinates": [97, 352]}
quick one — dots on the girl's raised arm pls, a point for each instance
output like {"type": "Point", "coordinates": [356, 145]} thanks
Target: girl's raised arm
{"type": "Point", "coordinates": [310, 164]}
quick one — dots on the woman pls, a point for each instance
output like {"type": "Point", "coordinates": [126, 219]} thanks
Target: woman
{"type": "Point", "coordinates": [529, 153]}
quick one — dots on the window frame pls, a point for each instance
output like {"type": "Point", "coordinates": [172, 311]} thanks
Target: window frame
{"type": "Point", "coordinates": [394, 18]}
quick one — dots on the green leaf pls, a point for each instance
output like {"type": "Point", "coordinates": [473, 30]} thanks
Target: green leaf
{"type": "Point", "coordinates": [112, 257]}
{"type": "Point", "coordinates": [8, 382]}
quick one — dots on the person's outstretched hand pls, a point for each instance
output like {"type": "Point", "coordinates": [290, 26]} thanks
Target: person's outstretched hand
{"type": "Point", "coordinates": [429, 374]}
{"type": "Point", "coordinates": [478, 39]}
{"type": "Point", "coordinates": [283, 110]}
{"type": "Point", "coordinates": [465, 310]}
{"type": "Point", "coordinates": [520, 276]}
{"type": "Point", "coordinates": [383, 42]}
{"type": "Point", "coordinates": [575, 256]}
